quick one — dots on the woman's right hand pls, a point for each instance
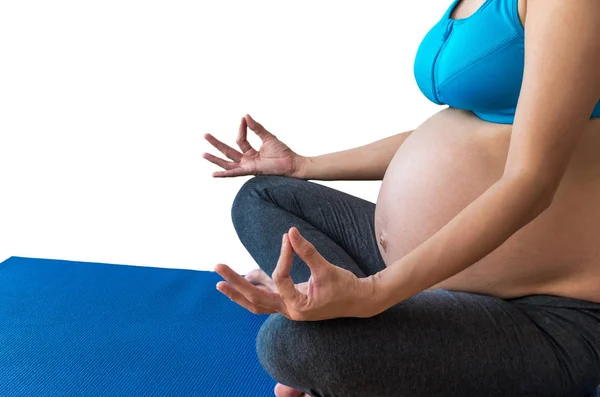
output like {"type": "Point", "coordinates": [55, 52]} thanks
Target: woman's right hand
{"type": "Point", "coordinates": [273, 157]}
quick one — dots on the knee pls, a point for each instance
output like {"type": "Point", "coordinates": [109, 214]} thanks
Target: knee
{"type": "Point", "coordinates": [276, 350]}
{"type": "Point", "coordinates": [288, 352]}
{"type": "Point", "coordinates": [243, 200]}
{"type": "Point", "coordinates": [349, 356]}
{"type": "Point", "coordinates": [313, 356]}
{"type": "Point", "coordinates": [245, 203]}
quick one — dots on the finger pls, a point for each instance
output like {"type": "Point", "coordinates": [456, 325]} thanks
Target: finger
{"type": "Point", "coordinates": [281, 274]}
{"type": "Point", "coordinates": [258, 296]}
{"type": "Point", "coordinates": [266, 288]}
{"type": "Point", "coordinates": [306, 251]}
{"type": "Point", "coordinates": [263, 287]}
{"type": "Point", "coordinates": [302, 287]}
{"type": "Point", "coordinates": [258, 276]}
{"type": "Point", "coordinates": [258, 129]}
{"type": "Point", "coordinates": [241, 300]}
{"type": "Point", "coordinates": [241, 138]}
{"type": "Point", "coordinates": [224, 148]}
{"type": "Point", "coordinates": [234, 172]}
{"type": "Point", "coordinates": [228, 165]}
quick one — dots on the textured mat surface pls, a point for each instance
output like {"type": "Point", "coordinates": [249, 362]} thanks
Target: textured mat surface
{"type": "Point", "coordinates": [91, 329]}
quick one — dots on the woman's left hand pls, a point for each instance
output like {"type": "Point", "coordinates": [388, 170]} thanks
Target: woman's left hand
{"type": "Point", "coordinates": [331, 291]}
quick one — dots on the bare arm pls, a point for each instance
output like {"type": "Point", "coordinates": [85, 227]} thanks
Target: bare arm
{"type": "Point", "coordinates": [367, 162]}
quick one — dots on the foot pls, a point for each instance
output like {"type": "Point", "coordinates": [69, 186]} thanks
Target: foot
{"type": "Point", "coordinates": [282, 390]}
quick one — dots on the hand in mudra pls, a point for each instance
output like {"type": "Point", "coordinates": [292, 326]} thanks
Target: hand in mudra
{"type": "Point", "coordinates": [261, 280]}
{"type": "Point", "coordinates": [272, 158]}
{"type": "Point", "coordinates": [330, 292]}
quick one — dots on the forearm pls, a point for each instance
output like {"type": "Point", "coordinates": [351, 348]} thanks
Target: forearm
{"type": "Point", "coordinates": [506, 207]}
{"type": "Point", "coordinates": [367, 162]}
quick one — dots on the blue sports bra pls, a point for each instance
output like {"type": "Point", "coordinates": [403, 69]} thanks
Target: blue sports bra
{"type": "Point", "coordinates": [476, 63]}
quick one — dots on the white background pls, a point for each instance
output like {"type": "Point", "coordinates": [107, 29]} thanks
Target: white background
{"type": "Point", "coordinates": [103, 107]}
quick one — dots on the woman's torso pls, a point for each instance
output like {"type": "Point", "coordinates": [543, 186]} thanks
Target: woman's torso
{"type": "Point", "coordinates": [449, 161]}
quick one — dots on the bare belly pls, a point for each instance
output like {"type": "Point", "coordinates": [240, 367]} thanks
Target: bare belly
{"type": "Point", "coordinates": [448, 162]}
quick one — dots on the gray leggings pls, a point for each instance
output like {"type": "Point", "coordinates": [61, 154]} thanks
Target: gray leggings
{"type": "Point", "coordinates": [437, 343]}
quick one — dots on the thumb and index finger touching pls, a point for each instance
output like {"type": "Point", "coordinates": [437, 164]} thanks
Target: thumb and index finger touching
{"type": "Point", "coordinates": [241, 140]}
{"type": "Point", "coordinates": [232, 168]}
{"type": "Point", "coordinates": [292, 242]}
{"type": "Point", "coordinates": [255, 126]}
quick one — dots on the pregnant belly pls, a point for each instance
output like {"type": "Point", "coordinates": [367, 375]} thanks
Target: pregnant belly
{"type": "Point", "coordinates": [448, 162]}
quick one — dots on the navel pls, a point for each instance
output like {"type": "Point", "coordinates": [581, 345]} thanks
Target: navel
{"type": "Point", "coordinates": [382, 241]}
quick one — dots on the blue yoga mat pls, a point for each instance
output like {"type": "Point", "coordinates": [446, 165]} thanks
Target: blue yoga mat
{"type": "Point", "coordinates": [94, 329]}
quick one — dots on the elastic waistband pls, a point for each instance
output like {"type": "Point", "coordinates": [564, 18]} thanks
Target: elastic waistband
{"type": "Point", "coordinates": [555, 301]}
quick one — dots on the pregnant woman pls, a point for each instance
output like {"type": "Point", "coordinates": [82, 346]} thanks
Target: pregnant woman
{"type": "Point", "coordinates": [477, 272]}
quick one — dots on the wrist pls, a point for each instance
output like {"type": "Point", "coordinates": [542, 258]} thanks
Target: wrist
{"type": "Point", "coordinates": [301, 164]}
{"type": "Point", "coordinates": [372, 296]}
